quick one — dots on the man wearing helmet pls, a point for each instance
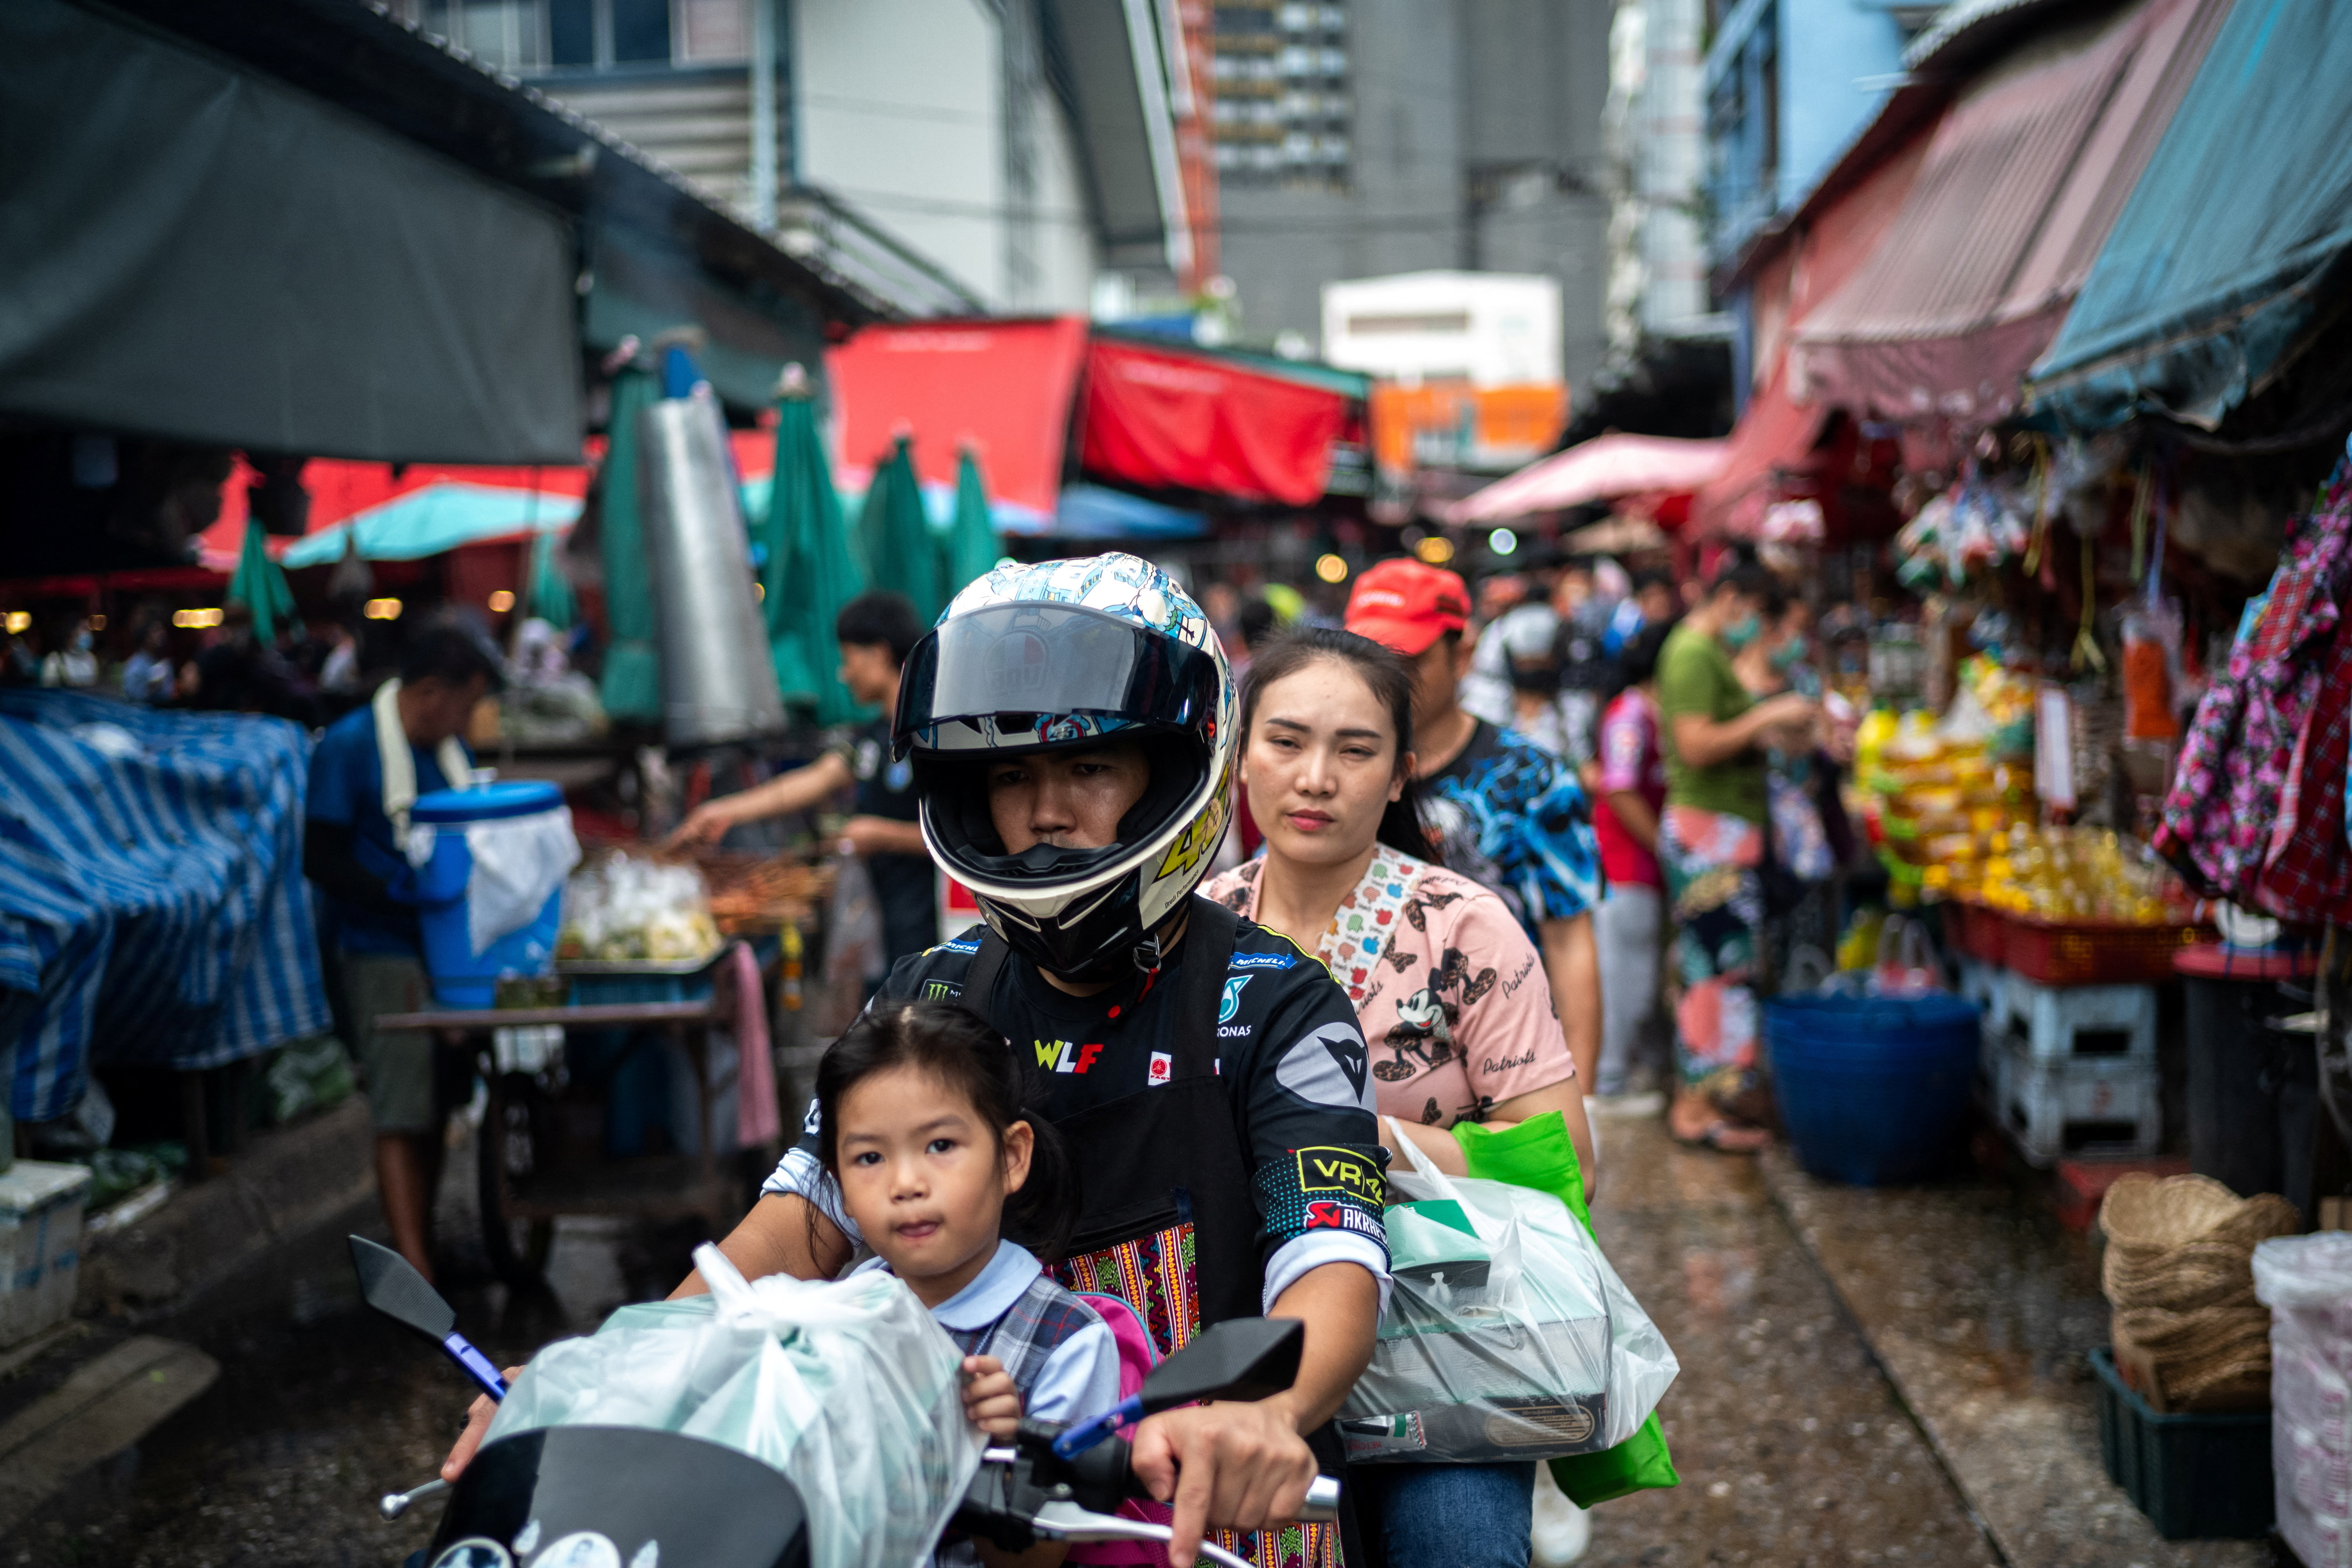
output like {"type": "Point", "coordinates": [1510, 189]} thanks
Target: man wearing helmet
{"type": "Point", "coordinates": [1071, 727]}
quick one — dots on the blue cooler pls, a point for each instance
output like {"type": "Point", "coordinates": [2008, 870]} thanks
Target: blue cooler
{"type": "Point", "coordinates": [463, 977]}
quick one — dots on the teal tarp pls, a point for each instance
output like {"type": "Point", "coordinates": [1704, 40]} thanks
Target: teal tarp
{"type": "Point", "coordinates": [970, 544]}
{"type": "Point", "coordinates": [2227, 252]}
{"type": "Point", "coordinates": [438, 516]}
{"type": "Point", "coordinates": [549, 596]}
{"type": "Point", "coordinates": [810, 572]}
{"type": "Point", "coordinates": [632, 685]}
{"type": "Point", "coordinates": [259, 584]}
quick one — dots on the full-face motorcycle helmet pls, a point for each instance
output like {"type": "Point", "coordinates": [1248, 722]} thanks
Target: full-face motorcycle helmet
{"type": "Point", "coordinates": [1062, 655]}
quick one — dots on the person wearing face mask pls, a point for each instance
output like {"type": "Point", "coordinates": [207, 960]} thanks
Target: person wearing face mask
{"type": "Point", "coordinates": [1712, 849]}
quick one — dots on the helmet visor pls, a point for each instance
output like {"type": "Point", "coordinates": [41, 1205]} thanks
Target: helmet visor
{"type": "Point", "coordinates": [1017, 677]}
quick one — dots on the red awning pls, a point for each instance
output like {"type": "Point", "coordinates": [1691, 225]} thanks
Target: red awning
{"type": "Point", "coordinates": [1601, 469]}
{"type": "Point", "coordinates": [341, 488]}
{"type": "Point", "coordinates": [1004, 386]}
{"type": "Point", "coordinates": [1165, 419]}
{"type": "Point", "coordinates": [1772, 440]}
{"type": "Point", "coordinates": [2018, 189]}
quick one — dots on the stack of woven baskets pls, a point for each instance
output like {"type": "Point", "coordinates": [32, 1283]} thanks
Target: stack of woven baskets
{"type": "Point", "coordinates": [2189, 1334]}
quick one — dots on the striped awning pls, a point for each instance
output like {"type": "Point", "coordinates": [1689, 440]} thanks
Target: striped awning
{"type": "Point", "coordinates": [152, 910]}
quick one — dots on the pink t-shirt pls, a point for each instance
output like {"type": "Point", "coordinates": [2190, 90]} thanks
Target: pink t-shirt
{"type": "Point", "coordinates": [1447, 988]}
{"type": "Point", "coordinates": [1630, 759]}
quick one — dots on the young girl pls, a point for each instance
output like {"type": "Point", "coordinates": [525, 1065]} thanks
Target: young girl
{"type": "Point", "coordinates": [921, 1127]}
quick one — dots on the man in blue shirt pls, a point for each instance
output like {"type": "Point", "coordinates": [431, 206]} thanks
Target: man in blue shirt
{"type": "Point", "coordinates": [368, 769]}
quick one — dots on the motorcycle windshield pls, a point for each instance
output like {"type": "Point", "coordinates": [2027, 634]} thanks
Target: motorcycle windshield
{"type": "Point", "coordinates": [1021, 676]}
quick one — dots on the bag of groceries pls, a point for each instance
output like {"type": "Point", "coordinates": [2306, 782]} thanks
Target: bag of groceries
{"type": "Point", "coordinates": [847, 1386]}
{"type": "Point", "coordinates": [1506, 1335]}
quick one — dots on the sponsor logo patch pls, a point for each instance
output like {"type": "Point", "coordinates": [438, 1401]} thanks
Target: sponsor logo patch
{"type": "Point", "coordinates": [1330, 1213]}
{"type": "Point", "coordinates": [1163, 1067]}
{"type": "Point", "coordinates": [1262, 961]}
{"type": "Point", "coordinates": [1065, 1056]}
{"type": "Point", "coordinates": [1322, 1169]}
{"type": "Point", "coordinates": [940, 991]}
{"type": "Point", "coordinates": [1232, 1001]}
{"type": "Point", "coordinates": [1234, 1031]}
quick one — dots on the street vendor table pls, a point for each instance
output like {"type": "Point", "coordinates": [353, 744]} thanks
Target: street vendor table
{"type": "Point", "coordinates": [531, 1173]}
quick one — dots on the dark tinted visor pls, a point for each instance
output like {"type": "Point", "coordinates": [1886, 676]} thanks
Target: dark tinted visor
{"type": "Point", "coordinates": [1021, 665]}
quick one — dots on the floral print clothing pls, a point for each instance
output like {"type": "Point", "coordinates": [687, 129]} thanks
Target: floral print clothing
{"type": "Point", "coordinates": [1712, 861]}
{"type": "Point", "coordinates": [1448, 991]}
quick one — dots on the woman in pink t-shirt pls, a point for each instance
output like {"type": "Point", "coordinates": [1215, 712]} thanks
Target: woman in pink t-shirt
{"type": "Point", "coordinates": [1627, 781]}
{"type": "Point", "coordinates": [1451, 995]}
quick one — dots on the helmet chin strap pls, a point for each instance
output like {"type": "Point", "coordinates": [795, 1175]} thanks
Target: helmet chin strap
{"type": "Point", "coordinates": [1153, 951]}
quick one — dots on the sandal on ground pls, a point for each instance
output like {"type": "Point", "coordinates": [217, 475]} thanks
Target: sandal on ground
{"type": "Point", "coordinates": [1726, 1137]}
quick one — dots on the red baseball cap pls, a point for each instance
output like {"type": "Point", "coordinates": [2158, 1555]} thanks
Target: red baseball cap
{"type": "Point", "coordinates": [1407, 605]}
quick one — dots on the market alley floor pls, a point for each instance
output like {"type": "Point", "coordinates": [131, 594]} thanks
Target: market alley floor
{"type": "Point", "coordinates": [1793, 1445]}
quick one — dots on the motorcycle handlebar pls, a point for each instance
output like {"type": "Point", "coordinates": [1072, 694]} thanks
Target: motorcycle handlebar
{"type": "Point", "coordinates": [1321, 1505]}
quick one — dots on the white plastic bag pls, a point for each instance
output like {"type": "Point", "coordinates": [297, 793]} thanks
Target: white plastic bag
{"type": "Point", "coordinates": [518, 862]}
{"type": "Point", "coordinates": [846, 1386]}
{"type": "Point", "coordinates": [1513, 1339]}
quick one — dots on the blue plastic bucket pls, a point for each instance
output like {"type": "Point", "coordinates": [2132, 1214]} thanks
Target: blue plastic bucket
{"type": "Point", "coordinates": [461, 976]}
{"type": "Point", "coordinates": [1873, 1090]}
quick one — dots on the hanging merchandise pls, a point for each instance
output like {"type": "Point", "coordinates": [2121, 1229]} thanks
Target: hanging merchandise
{"type": "Point", "coordinates": [2151, 664]}
{"type": "Point", "coordinates": [2240, 746]}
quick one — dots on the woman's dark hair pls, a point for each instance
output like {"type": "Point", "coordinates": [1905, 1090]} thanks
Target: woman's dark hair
{"type": "Point", "coordinates": [1390, 679]}
{"type": "Point", "coordinates": [1638, 660]}
{"type": "Point", "coordinates": [971, 1060]}
{"type": "Point", "coordinates": [880, 618]}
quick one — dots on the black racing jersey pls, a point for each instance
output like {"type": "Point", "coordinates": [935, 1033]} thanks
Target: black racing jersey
{"type": "Point", "coordinates": [1287, 1043]}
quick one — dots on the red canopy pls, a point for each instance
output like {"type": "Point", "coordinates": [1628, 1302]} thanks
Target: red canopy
{"type": "Point", "coordinates": [1168, 420]}
{"type": "Point", "coordinates": [1004, 386]}
{"type": "Point", "coordinates": [1774, 435]}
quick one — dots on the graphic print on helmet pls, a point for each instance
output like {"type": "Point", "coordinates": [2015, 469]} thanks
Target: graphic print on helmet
{"type": "Point", "coordinates": [1063, 657]}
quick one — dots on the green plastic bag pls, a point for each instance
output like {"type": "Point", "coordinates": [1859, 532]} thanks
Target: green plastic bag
{"type": "Point", "coordinates": [1539, 1153]}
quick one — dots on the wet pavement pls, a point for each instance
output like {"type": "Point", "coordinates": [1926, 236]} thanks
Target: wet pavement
{"type": "Point", "coordinates": [1981, 1308]}
{"type": "Point", "coordinates": [1793, 1446]}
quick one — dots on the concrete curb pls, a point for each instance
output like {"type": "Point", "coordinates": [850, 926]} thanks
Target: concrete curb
{"type": "Point", "coordinates": [285, 1183]}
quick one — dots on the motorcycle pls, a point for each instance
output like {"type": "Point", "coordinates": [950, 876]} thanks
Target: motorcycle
{"type": "Point", "coordinates": [582, 1497]}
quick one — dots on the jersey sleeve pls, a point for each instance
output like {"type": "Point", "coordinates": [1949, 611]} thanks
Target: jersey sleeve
{"type": "Point", "coordinates": [1508, 1036]}
{"type": "Point", "coordinates": [1305, 1097]}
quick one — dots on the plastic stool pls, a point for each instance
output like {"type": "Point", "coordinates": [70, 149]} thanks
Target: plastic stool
{"type": "Point", "coordinates": [2088, 1104]}
{"type": "Point", "coordinates": [2068, 1023]}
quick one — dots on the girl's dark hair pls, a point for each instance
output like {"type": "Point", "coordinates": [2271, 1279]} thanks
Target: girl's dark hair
{"type": "Point", "coordinates": [1390, 679]}
{"type": "Point", "coordinates": [970, 1058]}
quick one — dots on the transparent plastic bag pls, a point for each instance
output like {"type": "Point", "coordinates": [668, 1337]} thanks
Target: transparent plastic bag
{"type": "Point", "coordinates": [1507, 1335]}
{"type": "Point", "coordinates": [627, 907]}
{"type": "Point", "coordinates": [847, 1386]}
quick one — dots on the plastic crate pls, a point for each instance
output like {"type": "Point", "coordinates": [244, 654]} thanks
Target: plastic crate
{"type": "Point", "coordinates": [2091, 1104]}
{"type": "Point", "coordinates": [2085, 952]}
{"type": "Point", "coordinates": [2203, 1476]}
{"type": "Point", "coordinates": [2060, 1023]}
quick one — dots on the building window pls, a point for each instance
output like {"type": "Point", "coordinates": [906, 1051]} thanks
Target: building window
{"type": "Point", "coordinates": [593, 34]}
{"type": "Point", "coordinates": [1284, 110]}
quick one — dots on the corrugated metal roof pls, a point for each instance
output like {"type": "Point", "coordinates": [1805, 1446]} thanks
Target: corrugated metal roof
{"type": "Point", "coordinates": [2021, 185]}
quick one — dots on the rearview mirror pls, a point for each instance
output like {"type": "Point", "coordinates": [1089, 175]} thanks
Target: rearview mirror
{"type": "Point", "coordinates": [1242, 1358]}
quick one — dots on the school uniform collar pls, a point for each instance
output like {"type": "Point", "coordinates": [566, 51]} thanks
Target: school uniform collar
{"type": "Point", "coordinates": [990, 1293]}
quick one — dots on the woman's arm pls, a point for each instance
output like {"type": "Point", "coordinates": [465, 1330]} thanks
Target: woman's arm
{"type": "Point", "coordinates": [1634, 814]}
{"type": "Point", "coordinates": [1703, 742]}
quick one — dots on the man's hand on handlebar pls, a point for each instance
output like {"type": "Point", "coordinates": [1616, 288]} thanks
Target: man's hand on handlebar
{"type": "Point", "coordinates": [1242, 1464]}
{"type": "Point", "coordinates": [478, 1425]}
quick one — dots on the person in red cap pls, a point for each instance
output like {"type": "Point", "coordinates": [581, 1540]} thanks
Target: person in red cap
{"type": "Point", "coordinates": [1502, 811]}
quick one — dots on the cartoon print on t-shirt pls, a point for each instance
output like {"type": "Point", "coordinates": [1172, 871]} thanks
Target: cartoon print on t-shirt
{"type": "Point", "coordinates": [1422, 1035]}
{"type": "Point", "coordinates": [1417, 907]}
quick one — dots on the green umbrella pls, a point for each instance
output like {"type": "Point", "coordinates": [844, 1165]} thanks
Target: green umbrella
{"type": "Point", "coordinates": [810, 570]}
{"type": "Point", "coordinates": [900, 551]}
{"type": "Point", "coordinates": [970, 545]}
{"type": "Point", "coordinates": [548, 595]}
{"type": "Point", "coordinates": [259, 584]}
{"type": "Point", "coordinates": [632, 685]}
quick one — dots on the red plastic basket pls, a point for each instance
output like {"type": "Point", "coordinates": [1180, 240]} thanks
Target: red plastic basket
{"type": "Point", "coordinates": [1976, 931]}
{"type": "Point", "coordinates": [2086, 953]}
